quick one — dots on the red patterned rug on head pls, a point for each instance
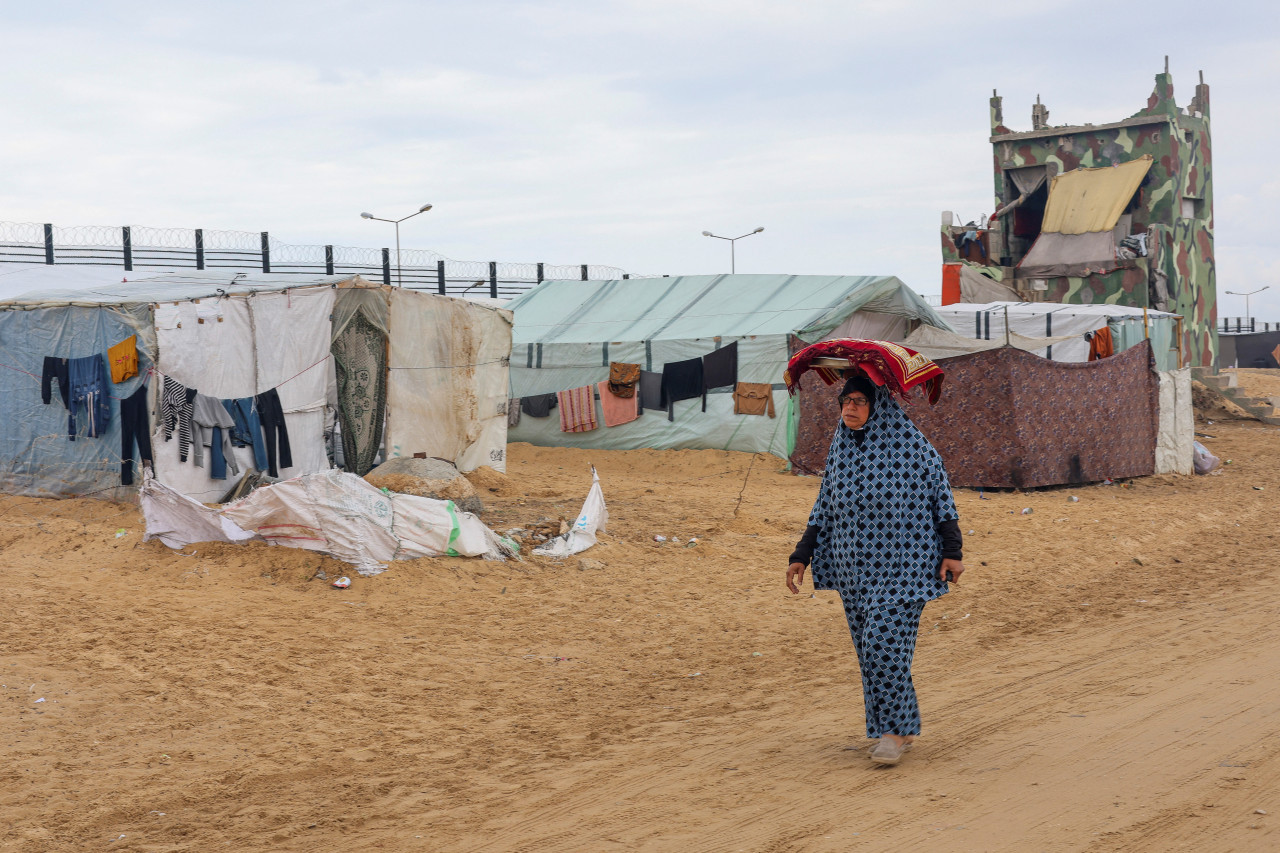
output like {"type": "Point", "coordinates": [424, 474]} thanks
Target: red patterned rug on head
{"type": "Point", "coordinates": [891, 365]}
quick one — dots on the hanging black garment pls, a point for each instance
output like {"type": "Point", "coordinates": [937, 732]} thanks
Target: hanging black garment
{"type": "Point", "coordinates": [538, 405]}
{"type": "Point", "coordinates": [719, 368]}
{"type": "Point", "coordinates": [135, 429]}
{"type": "Point", "coordinates": [681, 380]}
{"type": "Point", "coordinates": [651, 390]}
{"type": "Point", "coordinates": [275, 432]}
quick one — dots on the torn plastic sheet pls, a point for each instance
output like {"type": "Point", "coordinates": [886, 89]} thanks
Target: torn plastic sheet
{"type": "Point", "coordinates": [582, 535]}
{"type": "Point", "coordinates": [332, 512]}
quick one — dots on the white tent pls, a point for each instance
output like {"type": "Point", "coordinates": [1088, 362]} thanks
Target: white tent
{"type": "Point", "coordinates": [989, 321]}
{"type": "Point", "coordinates": [432, 368]}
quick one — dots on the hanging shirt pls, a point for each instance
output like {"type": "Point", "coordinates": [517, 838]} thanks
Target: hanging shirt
{"type": "Point", "coordinates": [538, 405]}
{"type": "Point", "coordinates": [123, 358]}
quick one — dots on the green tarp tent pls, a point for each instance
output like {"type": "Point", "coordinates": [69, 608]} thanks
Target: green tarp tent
{"type": "Point", "coordinates": [567, 332]}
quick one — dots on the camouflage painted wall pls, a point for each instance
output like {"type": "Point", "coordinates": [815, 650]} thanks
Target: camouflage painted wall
{"type": "Point", "coordinates": [1175, 204]}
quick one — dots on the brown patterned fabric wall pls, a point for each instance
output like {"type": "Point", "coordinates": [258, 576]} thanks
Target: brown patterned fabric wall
{"type": "Point", "coordinates": [1010, 419]}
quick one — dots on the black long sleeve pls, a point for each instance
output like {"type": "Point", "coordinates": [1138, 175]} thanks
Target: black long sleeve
{"type": "Point", "coordinates": [804, 548]}
{"type": "Point", "coordinates": [952, 541]}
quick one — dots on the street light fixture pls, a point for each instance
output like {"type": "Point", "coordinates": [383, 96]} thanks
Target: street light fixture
{"type": "Point", "coordinates": [396, 223]}
{"type": "Point", "coordinates": [1246, 296]}
{"type": "Point", "coordinates": [732, 241]}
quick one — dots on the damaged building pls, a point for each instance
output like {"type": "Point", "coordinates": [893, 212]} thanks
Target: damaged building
{"type": "Point", "coordinates": [1118, 213]}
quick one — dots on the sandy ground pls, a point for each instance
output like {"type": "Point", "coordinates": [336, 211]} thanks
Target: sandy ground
{"type": "Point", "coordinates": [1106, 678]}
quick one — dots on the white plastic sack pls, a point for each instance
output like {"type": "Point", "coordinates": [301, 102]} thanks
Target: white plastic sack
{"type": "Point", "coordinates": [1205, 462]}
{"type": "Point", "coordinates": [432, 528]}
{"type": "Point", "coordinates": [582, 535]}
{"type": "Point", "coordinates": [178, 521]}
{"type": "Point", "coordinates": [332, 512]}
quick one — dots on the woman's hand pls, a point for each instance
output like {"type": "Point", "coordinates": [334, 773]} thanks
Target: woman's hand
{"type": "Point", "coordinates": [795, 576]}
{"type": "Point", "coordinates": [951, 570]}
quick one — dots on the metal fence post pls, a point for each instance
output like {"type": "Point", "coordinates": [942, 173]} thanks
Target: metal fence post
{"type": "Point", "coordinates": [440, 277]}
{"type": "Point", "coordinates": [128, 248]}
{"type": "Point", "coordinates": [48, 242]}
{"type": "Point", "coordinates": [493, 279]}
{"type": "Point", "coordinates": [386, 266]}
{"type": "Point", "coordinates": [199, 248]}
{"type": "Point", "coordinates": [541, 277]}
{"type": "Point", "coordinates": [266, 252]}
{"type": "Point", "coordinates": [584, 272]}
{"type": "Point", "coordinates": [328, 260]}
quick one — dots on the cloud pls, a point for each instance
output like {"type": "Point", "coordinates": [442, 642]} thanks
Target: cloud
{"type": "Point", "coordinates": [571, 132]}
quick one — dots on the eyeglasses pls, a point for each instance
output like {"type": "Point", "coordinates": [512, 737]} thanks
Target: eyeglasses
{"type": "Point", "coordinates": [860, 402]}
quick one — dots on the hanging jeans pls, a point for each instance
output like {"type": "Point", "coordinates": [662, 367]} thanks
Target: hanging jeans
{"type": "Point", "coordinates": [89, 387]}
{"type": "Point", "coordinates": [135, 428]}
{"type": "Point", "coordinates": [271, 413]}
{"type": "Point", "coordinates": [248, 429]}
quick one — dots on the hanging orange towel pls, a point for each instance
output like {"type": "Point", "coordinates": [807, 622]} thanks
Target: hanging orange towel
{"type": "Point", "coordinates": [123, 358]}
{"type": "Point", "coordinates": [1100, 345]}
{"type": "Point", "coordinates": [618, 410]}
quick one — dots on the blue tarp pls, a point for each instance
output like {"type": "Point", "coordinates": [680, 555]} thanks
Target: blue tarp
{"type": "Point", "coordinates": [36, 457]}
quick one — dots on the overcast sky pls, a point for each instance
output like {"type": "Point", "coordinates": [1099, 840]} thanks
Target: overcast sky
{"type": "Point", "coordinates": [608, 132]}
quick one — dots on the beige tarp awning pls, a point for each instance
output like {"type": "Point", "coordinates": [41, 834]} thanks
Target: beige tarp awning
{"type": "Point", "coordinates": [1086, 201]}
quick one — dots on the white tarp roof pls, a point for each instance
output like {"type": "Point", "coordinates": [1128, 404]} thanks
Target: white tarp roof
{"type": "Point", "coordinates": [986, 321]}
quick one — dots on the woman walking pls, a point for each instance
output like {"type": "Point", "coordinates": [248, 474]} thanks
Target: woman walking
{"type": "Point", "coordinates": [885, 533]}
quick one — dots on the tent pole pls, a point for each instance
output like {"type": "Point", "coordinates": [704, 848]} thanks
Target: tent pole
{"type": "Point", "coordinates": [1179, 344]}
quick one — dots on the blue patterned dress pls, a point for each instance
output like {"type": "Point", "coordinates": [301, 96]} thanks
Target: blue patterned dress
{"type": "Point", "coordinates": [879, 507]}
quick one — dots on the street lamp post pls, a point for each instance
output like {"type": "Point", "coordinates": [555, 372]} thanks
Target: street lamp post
{"type": "Point", "coordinates": [396, 223]}
{"type": "Point", "coordinates": [1246, 296]}
{"type": "Point", "coordinates": [732, 240]}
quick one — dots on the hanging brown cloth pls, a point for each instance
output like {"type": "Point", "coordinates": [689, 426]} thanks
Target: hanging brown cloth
{"type": "Point", "coordinates": [753, 398]}
{"type": "Point", "coordinates": [623, 378]}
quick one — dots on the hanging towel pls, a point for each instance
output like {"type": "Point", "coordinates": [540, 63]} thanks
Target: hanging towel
{"type": "Point", "coordinates": [123, 358]}
{"type": "Point", "coordinates": [513, 412]}
{"type": "Point", "coordinates": [618, 410]}
{"type": "Point", "coordinates": [681, 380]}
{"type": "Point", "coordinates": [89, 388]}
{"type": "Point", "coordinates": [651, 390]}
{"type": "Point", "coordinates": [135, 429]}
{"type": "Point", "coordinates": [538, 406]}
{"type": "Point", "coordinates": [176, 403]}
{"type": "Point", "coordinates": [719, 368]}
{"type": "Point", "coordinates": [271, 414]}
{"type": "Point", "coordinates": [577, 409]}
{"type": "Point", "coordinates": [753, 398]}
{"type": "Point", "coordinates": [1101, 345]}
{"type": "Point", "coordinates": [623, 378]}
